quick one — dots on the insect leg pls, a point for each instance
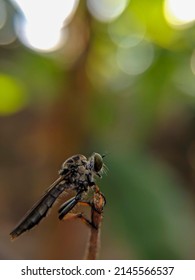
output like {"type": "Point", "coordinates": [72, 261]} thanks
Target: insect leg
{"type": "Point", "coordinates": [68, 206]}
{"type": "Point", "coordinates": [72, 216]}
{"type": "Point", "coordinates": [83, 219]}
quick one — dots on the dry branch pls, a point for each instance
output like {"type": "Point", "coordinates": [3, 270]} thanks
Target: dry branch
{"type": "Point", "coordinates": [96, 218]}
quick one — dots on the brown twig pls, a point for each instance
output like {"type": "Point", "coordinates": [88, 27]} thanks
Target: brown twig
{"type": "Point", "coordinates": [96, 218]}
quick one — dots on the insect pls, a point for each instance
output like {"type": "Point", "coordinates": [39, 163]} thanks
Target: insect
{"type": "Point", "coordinates": [77, 173]}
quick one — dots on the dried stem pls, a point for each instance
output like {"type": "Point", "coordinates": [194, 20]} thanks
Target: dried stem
{"type": "Point", "coordinates": [96, 218]}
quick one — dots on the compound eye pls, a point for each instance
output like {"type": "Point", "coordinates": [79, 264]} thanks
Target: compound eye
{"type": "Point", "coordinates": [98, 162]}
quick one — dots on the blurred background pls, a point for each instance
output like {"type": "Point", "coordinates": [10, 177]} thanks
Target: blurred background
{"type": "Point", "coordinates": [114, 77]}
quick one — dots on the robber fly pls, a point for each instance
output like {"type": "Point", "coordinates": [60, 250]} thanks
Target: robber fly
{"type": "Point", "coordinates": [77, 173]}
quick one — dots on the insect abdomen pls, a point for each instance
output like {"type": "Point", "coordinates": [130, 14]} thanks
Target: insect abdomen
{"type": "Point", "coordinates": [39, 210]}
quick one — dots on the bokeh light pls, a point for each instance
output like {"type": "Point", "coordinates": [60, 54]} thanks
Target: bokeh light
{"type": "Point", "coordinates": [7, 33]}
{"type": "Point", "coordinates": [136, 60]}
{"type": "Point", "coordinates": [180, 14]}
{"type": "Point", "coordinates": [106, 10]}
{"type": "Point", "coordinates": [12, 95]}
{"type": "Point", "coordinates": [43, 40]}
{"type": "Point", "coordinates": [44, 31]}
{"type": "Point", "coordinates": [126, 31]}
{"type": "Point", "coordinates": [184, 78]}
{"type": "Point", "coordinates": [3, 13]}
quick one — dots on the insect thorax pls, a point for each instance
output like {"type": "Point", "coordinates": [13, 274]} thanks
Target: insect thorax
{"type": "Point", "coordinates": [77, 172]}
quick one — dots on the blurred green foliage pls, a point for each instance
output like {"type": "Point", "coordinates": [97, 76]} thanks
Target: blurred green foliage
{"type": "Point", "coordinates": [149, 206]}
